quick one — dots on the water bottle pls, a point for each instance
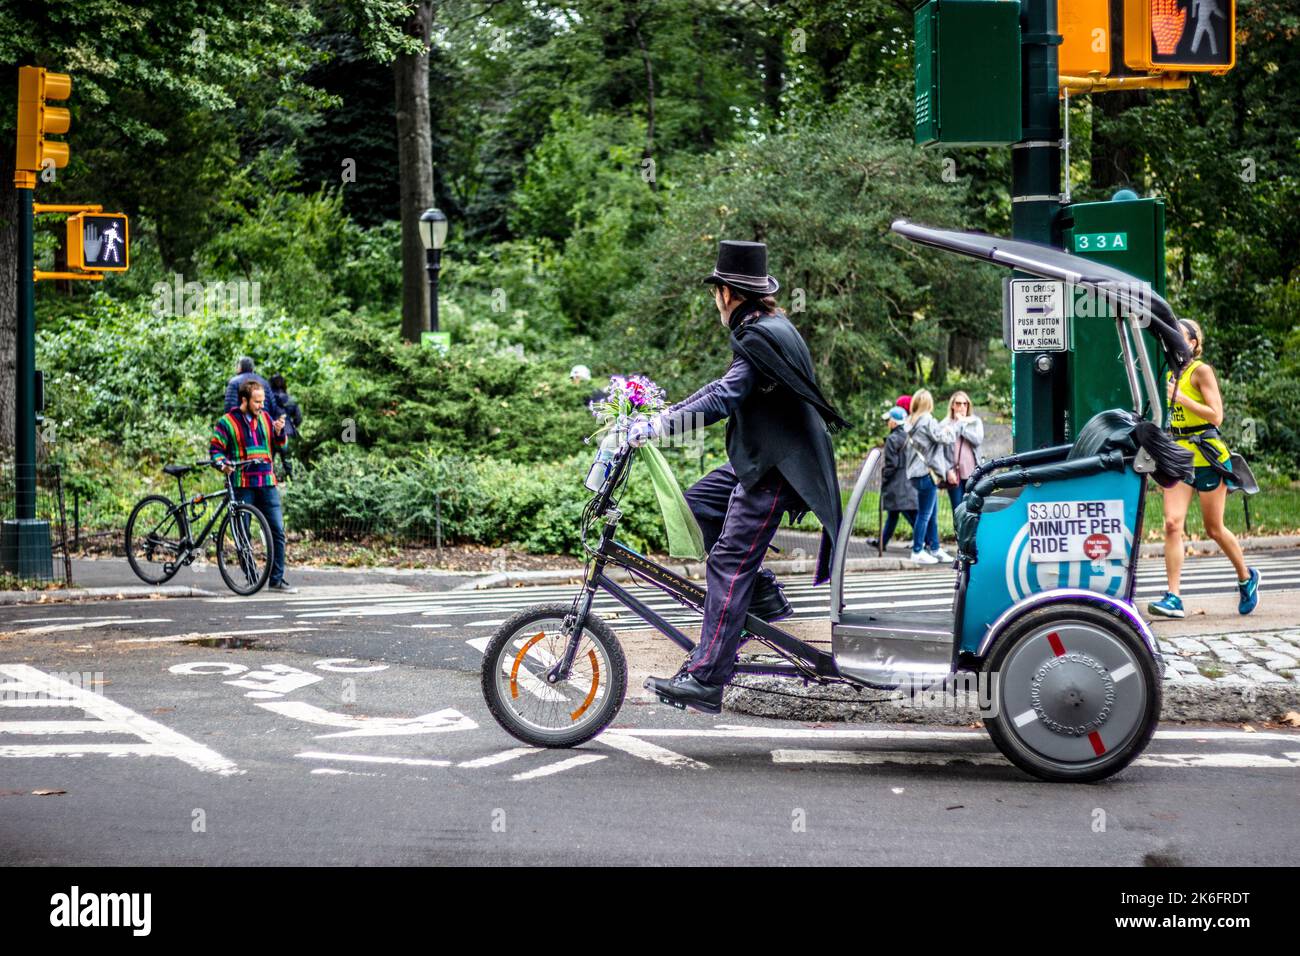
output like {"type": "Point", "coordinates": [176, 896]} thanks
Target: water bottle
{"type": "Point", "coordinates": [600, 467]}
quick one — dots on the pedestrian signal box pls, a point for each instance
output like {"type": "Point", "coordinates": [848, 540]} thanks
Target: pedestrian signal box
{"type": "Point", "coordinates": [1085, 37]}
{"type": "Point", "coordinates": [967, 73]}
{"type": "Point", "coordinates": [99, 242]}
{"type": "Point", "coordinates": [1129, 235]}
{"type": "Point", "coordinates": [1180, 35]}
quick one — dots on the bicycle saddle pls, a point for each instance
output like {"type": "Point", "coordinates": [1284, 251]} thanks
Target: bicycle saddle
{"type": "Point", "coordinates": [177, 470]}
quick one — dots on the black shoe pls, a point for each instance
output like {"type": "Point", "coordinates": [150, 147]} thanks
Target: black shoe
{"type": "Point", "coordinates": [683, 690]}
{"type": "Point", "coordinates": [768, 601]}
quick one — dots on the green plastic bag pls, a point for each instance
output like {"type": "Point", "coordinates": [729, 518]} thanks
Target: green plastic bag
{"type": "Point", "coordinates": [685, 540]}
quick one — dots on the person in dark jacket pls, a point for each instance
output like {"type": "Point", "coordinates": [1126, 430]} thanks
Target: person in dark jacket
{"type": "Point", "coordinates": [897, 495]}
{"type": "Point", "coordinates": [244, 373]}
{"type": "Point", "coordinates": [293, 415]}
{"type": "Point", "coordinates": [779, 460]}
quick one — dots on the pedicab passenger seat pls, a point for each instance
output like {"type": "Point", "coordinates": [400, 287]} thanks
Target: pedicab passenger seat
{"type": "Point", "coordinates": [1101, 445]}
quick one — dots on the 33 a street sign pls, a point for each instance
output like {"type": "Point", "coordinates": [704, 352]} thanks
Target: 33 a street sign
{"type": "Point", "coordinates": [1181, 35]}
{"type": "Point", "coordinates": [99, 242]}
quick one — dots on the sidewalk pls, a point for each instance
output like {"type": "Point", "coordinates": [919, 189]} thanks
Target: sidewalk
{"type": "Point", "coordinates": [99, 578]}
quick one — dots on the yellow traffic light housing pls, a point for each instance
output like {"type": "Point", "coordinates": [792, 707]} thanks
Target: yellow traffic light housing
{"type": "Point", "coordinates": [1189, 36]}
{"type": "Point", "coordinates": [99, 241]}
{"type": "Point", "coordinates": [1084, 26]}
{"type": "Point", "coordinates": [37, 119]}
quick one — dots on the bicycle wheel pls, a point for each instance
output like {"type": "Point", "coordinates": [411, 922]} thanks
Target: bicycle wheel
{"type": "Point", "coordinates": [154, 540]}
{"type": "Point", "coordinates": [1077, 692]}
{"type": "Point", "coordinates": [566, 714]}
{"type": "Point", "coordinates": [245, 549]}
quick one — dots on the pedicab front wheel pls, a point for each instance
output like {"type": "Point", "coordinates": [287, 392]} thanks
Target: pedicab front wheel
{"type": "Point", "coordinates": [516, 663]}
{"type": "Point", "coordinates": [1076, 690]}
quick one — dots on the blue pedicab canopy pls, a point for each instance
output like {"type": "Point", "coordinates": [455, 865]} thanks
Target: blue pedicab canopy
{"type": "Point", "coordinates": [1049, 262]}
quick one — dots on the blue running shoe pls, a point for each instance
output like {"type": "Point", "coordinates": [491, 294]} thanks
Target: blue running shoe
{"type": "Point", "coordinates": [1171, 605]}
{"type": "Point", "coordinates": [1249, 590]}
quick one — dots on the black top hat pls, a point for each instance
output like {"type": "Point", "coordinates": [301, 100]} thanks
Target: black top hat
{"type": "Point", "coordinates": [743, 265]}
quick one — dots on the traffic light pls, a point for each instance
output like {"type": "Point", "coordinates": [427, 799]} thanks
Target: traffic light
{"type": "Point", "coordinates": [99, 242]}
{"type": "Point", "coordinates": [36, 119]}
{"type": "Point", "coordinates": [1182, 35]}
{"type": "Point", "coordinates": [1084, 26]}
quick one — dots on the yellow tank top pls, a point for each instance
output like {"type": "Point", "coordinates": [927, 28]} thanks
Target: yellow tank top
{"type": "Point", "coordinates": [1181, 417]}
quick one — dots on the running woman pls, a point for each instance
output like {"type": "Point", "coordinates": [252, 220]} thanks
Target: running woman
{"type": "Point", "coordinates": [1196, 412]}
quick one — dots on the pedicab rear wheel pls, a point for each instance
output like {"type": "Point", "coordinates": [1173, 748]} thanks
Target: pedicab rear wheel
{"type": "Point", "coordinates": [1077, 693]}
{"type": "Point", "coordinates": [564, 714]}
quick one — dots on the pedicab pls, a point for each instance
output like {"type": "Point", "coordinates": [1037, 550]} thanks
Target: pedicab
{"type": "Point", "coordinates": [1042, 612]}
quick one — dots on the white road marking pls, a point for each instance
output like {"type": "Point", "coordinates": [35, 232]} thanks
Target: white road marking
{"type": "Point", "coordinates": [92, 623]}
{"type": "Point", "coordinates": [559, 766]}
{"type": "Point", "coordinates": [873, 757]}
{"type": "Point", "coordinates": [441, 721]}
{"type": "Point", "coordinates": [330, 771]}
{"type": "Point", "coordinates": [493, 759]}
{"type": "Point", "coordinates": [159, 741]}
{"type": "Point", "coordinates": [367, 758]}
{"type": "Point", "coordinates": [478, 643]}
{"type": "Point", "coordinates": [1128, 670]}
{"type": "Point", "coordinates": [648, 751]}
{"type": "Point", "coordinates": [262, 617]}
{"type": "Point", "coordinates": [495, 623]}
{"type": "Point", "coordinates": [211, 635]}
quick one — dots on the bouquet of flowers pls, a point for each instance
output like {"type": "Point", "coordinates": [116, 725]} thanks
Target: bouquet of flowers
{"type": "Point", "coordinates": [627, 398]}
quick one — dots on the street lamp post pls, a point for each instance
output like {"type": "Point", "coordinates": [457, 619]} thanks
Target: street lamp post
{"type": "Point", "coordinates": [433, 233]}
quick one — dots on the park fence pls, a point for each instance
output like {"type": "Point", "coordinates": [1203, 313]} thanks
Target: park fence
{"type": "Point", "coordinates": [36, 549]}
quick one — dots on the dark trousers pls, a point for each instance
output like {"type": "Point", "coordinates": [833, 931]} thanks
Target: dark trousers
{"type": "Point", "coordinates": [267, 501]}
{"type": "Point", "coordinates": [891, 522]}
{"type": "Point", "coordinates": [738, 525]}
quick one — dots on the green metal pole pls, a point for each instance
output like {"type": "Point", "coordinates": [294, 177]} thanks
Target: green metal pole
{"type": "Point", "coordinates": [1040, 396]}
{"type": "Point", "coordinates": [25, 366]}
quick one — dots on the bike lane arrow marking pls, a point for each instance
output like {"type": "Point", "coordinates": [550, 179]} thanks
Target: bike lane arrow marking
{"type": "Point", "coordinates": [441, 721]}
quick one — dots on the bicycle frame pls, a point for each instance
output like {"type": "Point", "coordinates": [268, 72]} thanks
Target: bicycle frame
{"type": "Point", "coordinates": [190, 544]}
{"type": "Point", "coordinates": [814, 663]}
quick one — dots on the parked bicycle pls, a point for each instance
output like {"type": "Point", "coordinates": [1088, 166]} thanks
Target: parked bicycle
{"type": "Point", "coordinates": [160, 539]}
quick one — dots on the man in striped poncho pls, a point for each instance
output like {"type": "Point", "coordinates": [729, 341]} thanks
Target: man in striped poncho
{"type": "Point", "coordinates": [247, 433]}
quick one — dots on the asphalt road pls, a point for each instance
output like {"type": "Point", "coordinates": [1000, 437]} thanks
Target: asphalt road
{"type": "Point", "coordinates": [348, 732]}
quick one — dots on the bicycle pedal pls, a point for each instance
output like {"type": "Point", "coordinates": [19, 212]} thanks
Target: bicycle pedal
{"type": "Point", "coordinates": [671, 703]}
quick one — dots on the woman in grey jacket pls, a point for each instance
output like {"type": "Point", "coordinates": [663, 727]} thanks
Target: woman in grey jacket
{"type": "Point", "coordinates": [967, 436]}
{"type": "Point", "coordinates": [929, 451]}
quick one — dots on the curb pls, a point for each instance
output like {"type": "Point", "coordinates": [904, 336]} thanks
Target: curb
{"type": "Point", "coordinates": [59, 596]}
{"type": "Point", "coordinates": [1230, 703]}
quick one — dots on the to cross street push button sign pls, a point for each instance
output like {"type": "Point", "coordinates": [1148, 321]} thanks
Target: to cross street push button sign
{"type": "Point", "coordinates": [1034, 313]}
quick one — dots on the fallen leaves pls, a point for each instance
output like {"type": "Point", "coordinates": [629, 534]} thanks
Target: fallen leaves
{"type": "Point", "coordinates": [1291, 718]}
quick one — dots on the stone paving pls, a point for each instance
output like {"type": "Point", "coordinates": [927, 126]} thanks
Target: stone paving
{"type": "Point", "coordinates": [1240, 658]}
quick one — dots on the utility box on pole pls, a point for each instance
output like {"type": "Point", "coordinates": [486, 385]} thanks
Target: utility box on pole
{"type": "Point", "coordinates": [967, 73]}
{"type": "Point", "coordinates": [1129, 235]}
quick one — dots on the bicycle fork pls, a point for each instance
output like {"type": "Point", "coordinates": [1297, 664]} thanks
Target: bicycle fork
{"type": "Point", "coordinates": [577, 618]}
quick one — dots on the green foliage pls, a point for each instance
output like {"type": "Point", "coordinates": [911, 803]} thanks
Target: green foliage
{"type": "Point", "coordinates": [132, 373]}
{"type": "Point", "coordinates": [535, 506]}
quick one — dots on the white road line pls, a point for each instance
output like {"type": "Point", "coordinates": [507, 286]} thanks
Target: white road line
{"type": "Point", "coordinates": [366, 758]}
{"type": "Point", "coordinates": [494, 623]}
{"type": "Point", "coordinates": [333, 772]}
{"type": "Point", "coordinates": [746, 732]}
{"type": "Point", "coordinates": [442, 721]}
{"type": "Point", "coordinates": [479, 643]}
{"type": "Point", "coordinates": [211, 635]}
{"type": "Point", "coordinates": [493, 759]}
{"type": "Point", "coordinates": [86, 625]}
{"type": "Point", "coordinates": [262, 617]}
{"type": "Point", "coordinates": [648, 751]}
{"type": "Point", "coordinates": [160, 741]}
{"type": "Point", "coordinates": [559, 766]}
{"type": "Point", "coordinates": [873, 757]}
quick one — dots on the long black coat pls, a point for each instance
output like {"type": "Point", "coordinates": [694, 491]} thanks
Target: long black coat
{"type": "Point", "coordinates": [783, 424]}
{"type": "Point", "coordinates": [896, 492]}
